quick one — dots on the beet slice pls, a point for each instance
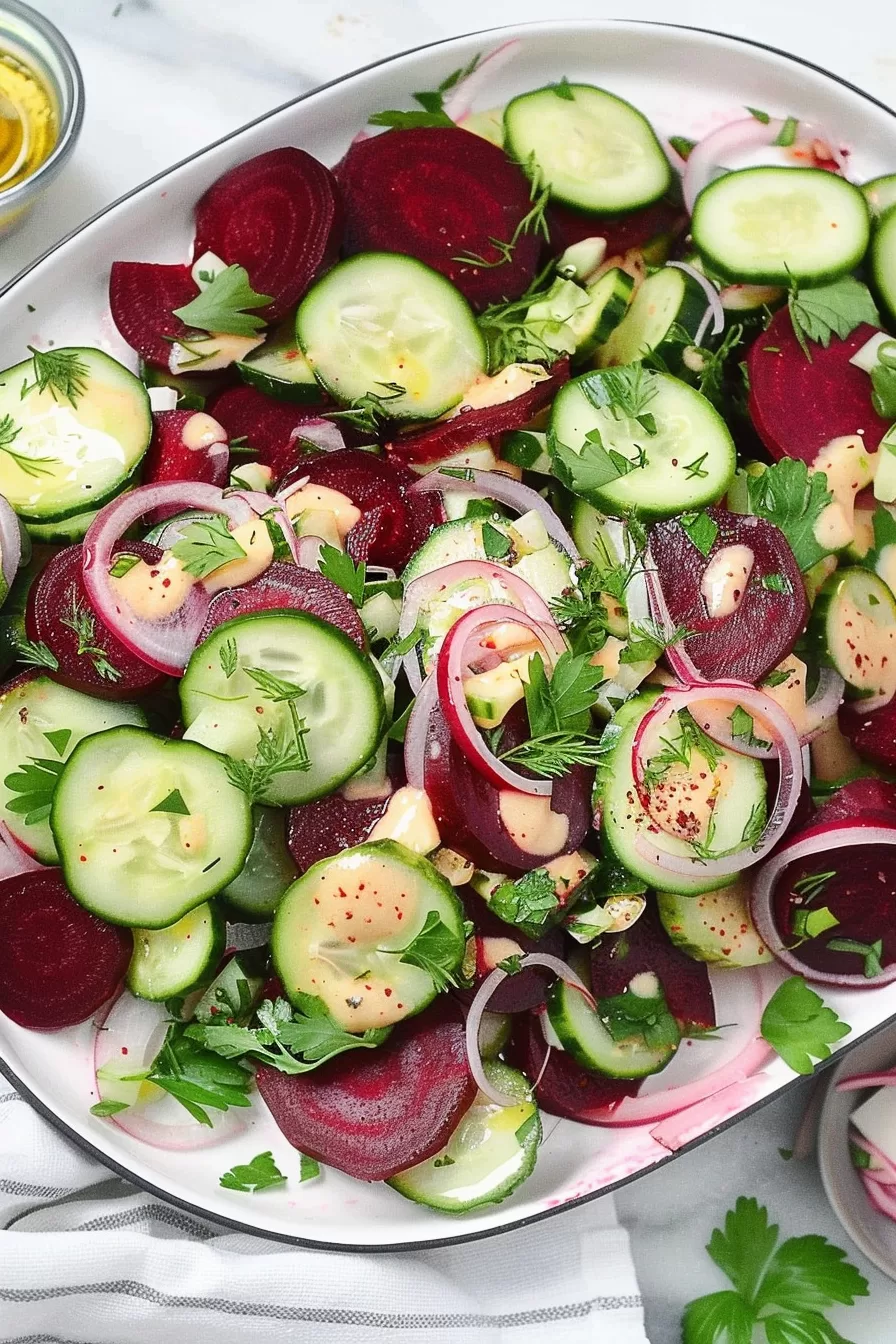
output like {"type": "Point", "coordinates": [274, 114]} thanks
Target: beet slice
{"type": "Point", "coordinates": [267, 426]}
{"type": "Point", "coordinates": [326, 827]}
{"type": "Point", "coordinates": [763, 629]}
{"type": "Point", "coordinates": [373, 1113]}
{"type": "Point", "coordinates": [564, 1087]}
{"type": "Point", "coordinates": [470, 426]}
{"type": "Point", "coordinates": [280, 216]}
{"type": "Point", "coordinates": [286, 587]}
{"type": "Point", "coordinates": [528, 988]}
{"type": "Point", "coordinates": [873, 735]}
{"type": "Point", "coordinates": [645, 946]}
{"type": "Point", "coordinates": [393, 524]}
{"type": "Point", "coordinates": [622, 232]}
{"type": "Point", "coordinates": [185, 446]}
{"type": "Point", "coordinates": [142, 299]}
{"type": "Point", "coordinates": [58, 962]}
{"type": "Point", "coordinates": [868, 800]}
{"type": "Point", "coordinates": [798, 406]}
{"type": "Point", "coordinates": [438, 193]}
{"type": "Point", "coordinates": [57, 595]}
{"type": "Point", "coordinates": [466, 806]}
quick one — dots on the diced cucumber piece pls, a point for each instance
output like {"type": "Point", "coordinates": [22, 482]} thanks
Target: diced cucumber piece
{"type": "Point", "coordinates": [287, 684]}
{"type": "Point", "coordinates": [574, 320]}
{"type": "Point", "coordinates": [773, 225]}
{"type": "Point", "coordinates": [687, 463]}
{"type": "Point", "coordinates": [613, 898]}
{"type": "Point", "coordinates": [853, 629]}
{"type": "Point", "coordinates": [343, 932]}
{"type": "Point", "coordinates": [234, 991]}
{"type": "Point", "coordinates": [387, 325]}
{"type": "Point", "coordinates": [584, 1035]}
{"type": "Point", "coordinates": [178, 959]}
{"type": "Point", "coordinates": [147, 827]}
{"type": "Point", "coordinates": [279, 368]}
{"type": "Point", "coordinates": [596, 151]}
{"type": "Point", "coordinates": [61, 454]}
{"type": "Point", "coordinates": [269, 868]}
{"type": "Point", "coordinates": [880, 193]}
{"type": "Point", "coordinates": [668, 304]}
{"type": "Point", "coordinates": [716, 927]}
{"type": "Point", "coordinates": [380, 614]}
{"type": "Point", "coordinates": [526, 448]}
{"type": "Point", "coordinates": [192, 390]}
{"type": "Point", "coordinates": [599, 538]}
{"type": "Point", "coordinates": [41, 723]}
{"type": "Point", "coordinates": [548, 570]}
{"type": "Point", "coordinates": [883, 261]}
{"type": "Point", "coordinates": [491, 1152]}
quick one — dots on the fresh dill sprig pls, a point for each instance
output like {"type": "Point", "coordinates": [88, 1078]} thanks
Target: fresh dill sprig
{"type": "Point", "coordinates": [61, 372]}
{"type": "Point", "coordinates": [82, 624]}
{"type": "Point", "coordinates": [534, 221]}
{"type": "Point", "coordinates": [554, 754]}
{"type": "Point", "coordinates": [367, 413]}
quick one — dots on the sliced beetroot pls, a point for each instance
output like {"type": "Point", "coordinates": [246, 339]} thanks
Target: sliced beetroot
{"type": "Point", "coordinates": [186, 446]}
{"type": "Point", "coordinates": [58, 962]}
{"type": "Point", "coordinates": [645, 946]}
{"type": "Point", "coordinates": [58, 602]}
{"type": "Point", "coordinates": [142, 299]}
{"type": "Point", "coordinates": [873, 735]}
{"type": "Point", "coordinates": [321, 829]}
{"type": "Point", "coordinates": [564, 1087]}
{"type": "Point", "coordinates": [496, 940]}
{"type": "Point", "coordinates": [373, 1113]}
{"type": "Point", "coordinates": [470, 426]}
{"type": "Point", "coordinates": [765, 625]}
{"type": "Point", "coordinates": [622, 232]}
{"type": "Point", "coordinates": [466, 806]}
{"type": "Point", "coordinates": [439, 193]}
{"type": "Point", "coordinates": [798, 406]}
{"type": "Point", "coordinates": [286, 587]}
{"type": "Point", "coordinates": [264, 426]}
{"type": "Point", "coordinates": [280, 216]}
{"type": "Point", "coordinates": [871, 800]}
{"type": "Point", "coordinates": [393, 524]}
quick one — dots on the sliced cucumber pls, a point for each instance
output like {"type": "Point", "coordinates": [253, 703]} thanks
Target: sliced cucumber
{"type": "Point", "coordinates": [491, 1152]}
{"type": "Point", "coordinates": [574, 320]}
{"type": "Point", "coordinates": [298, 682]}
{"type": "Point", "coordinates": [853, 629]}
{"type": "Point", "coordinates": [613, 898]}
{"type": "Point", "coordinates": [380, 322]}
{"type": "Point", "coordinates": [67, 531]}
{"type": "Point", "coordinates": [883, 261]}
{"type": "Point", "coordinates": [147, 827]}
{"type": "Point", "coordinates": [173, 961]}
{"type": "Point", "coordinates": [689, 462]}
{"type": "Point", "coordinates": [596, 151]}
{"type": "Point", "coordinates": [773, 225]}
{"type": "Point", "coordinates": [585, 1036]}
{"type": "Point", "coordinates": [41, 723]}
{"type": "Point", "coordinates": [547, 569]}
{"type": "Point", "coordinates": [64, 456]}
{"type": "Point", "coordinates": [599, 538]}
{"type": "Point", "coordinates": [668, 305]}
{"type": "Point", "coordinates": [716, 927]}
{"type": "Point", "coordinates": [268, 871]}
{"type": "Point", "coordinates": [341, 929]}
{"type": "Point", "coordinates": [880, 193]}
{"type": "Point", "coordinates": [279, 369]}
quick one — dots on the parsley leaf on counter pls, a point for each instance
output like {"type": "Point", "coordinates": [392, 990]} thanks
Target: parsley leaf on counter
{"type": "Point", "coordinates": [797, 1024]}
{"type": "Point", "coordinates": [793, 498]}
{"type": "Point", "coordinates": [206, 545]}
{"type": "Point", "coordinates": [825, 311]}
{"type": "Point", "coordinates": [259, 1174]}
{"type": "Point", "coordinates": [220, 307]}
{"type": "Point", "coordinates": [342, 570]}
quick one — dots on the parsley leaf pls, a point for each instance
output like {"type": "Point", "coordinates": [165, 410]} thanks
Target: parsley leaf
{"type": "Point", "coordinates": [564, 89]}
{"type": "Point", "coordinates": [797, 1024]}
{"type": "Point", "coordinates": [825, 311]}
{"type": "Point", "coordinates": [196, 1077]}
{"type": "Point", "coordinates": [220, 307]}
{"type": "Point", "coordinates": [495, 544]}
{"type": "Point", "coordinates": [206, 545]}
{"type": "Point", "coordinates": [793, 498]}
{"type": "Point", "coordinates": [682, 144]}
{"type": "Point", "coordinates": [309, 1168]}
{"type": "Point", "coordinates": [341, 569]}
{"type": "Point", "coordinates": [35, 783]}
{"type": "Point", "coordinates": [530, 903]}
{"type": "Point", "coordinates": [259, 1174]}
{"type": "Point", "coordinates": [173, 803]}
{"type": "Point", "coordinates": [431, 101]}
{"type": "Point", "coordinates": [742, 729]}
{"type": "Point", "coordinates": [636, 1017]}
{"type": "Point", "coordinates": [591, 469]}
{"type": "Point", "coordinates": [229, 656]}
{"type": "Point", "coordinates": [104, 1108]}
{"type": "Point", "coordinates": [558, 714]}
{"type": "Point", "coordinates": [701, 530]}
{"type": "Point", "coordinates": [293, 1040]}
{"type": "Point", "coordinates": [436, 949]}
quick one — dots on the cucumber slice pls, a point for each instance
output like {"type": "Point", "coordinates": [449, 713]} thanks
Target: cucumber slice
{"type": "Point", "coordinates": [381, 321]}
{"type": "Point", "coordinates": [147, 827]}
{"type": "Point", "coordinates": [548, 569]}
{"type": "Point", "coordinates": [668, 304]}
{"type": "Point", "coordinates": [689, 462]}
{"type": "Point", "coordinates": [491, 1152]}
{"type": "Point", "coordinates": [268, 871]}
{"type": "Point", "coordinates": [853, 629]}
{"type": "Point", "coordinates": [716, 927]}
{"type": "Point", "coordinates": [880, 193]}
{"type": "Point", "coordinates": [574, 320]}
{"type": "Point", "coordinates": [596, 151]}
{"type": "Point", "coordinates": [883, 261]}
{"type": "Point", "coordinates": [61, 457]}
{"type": "Point", "coordinates": [279, 369]}
{"type": "Point", "coordinates": [68, 531]}
{"type": "Point", "coordinates": [773, 225]}
{"type": "Point", "coordinates": [585, 1037]}
{"type": "Point", "coordinates": [177, 959]}
{"type": "Point", "coordinates": [297, 681]}
{"type": "Point", "coordinates": [41, 723]}
{"type": "Point", "coordinates": [340, 932]}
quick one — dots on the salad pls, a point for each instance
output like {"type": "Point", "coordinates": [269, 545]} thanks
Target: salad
{"type": "Point", "coordinates": [463, 654]}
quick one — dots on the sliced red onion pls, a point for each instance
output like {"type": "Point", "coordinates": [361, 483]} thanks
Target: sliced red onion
{"type": "Point", "coordinates": [496, 485]}
{"type": "Point", "coordinates": [14, 857]}
{"type": "Point", "coordinates": [719, 150]}
{"type": "Point", "coordinates": [458, 102]}
{"type": "Point", "coordinates": [885, 1079]}
{"type": "Point", "coordinates": [10, 542]}
{"type": "Point", "coordinates": [416, 732]}
{"type": "Point", "coordinates": [885, 1171]}
{"type": "Point", "coordinates": [267, 507]}
{"type": "Point", "coordinates": [454, 658]}
{"type": "Point", "coordinates": [420, 591]}
{"type": "Point", "coordinates": [675, 654]}
{"type": "Point", "coordinates": [166, 643]}
{"type": "Point", "coordinates": [879, 1196]}
{"type": "Point", "coordinates": [293, 488]}
{"type": "Point", "coordinates": [790, 775]}
{"type": "Point", "coordinates": [821, 840]}
{"type": "Point", "coordinates": [714, 312]}
{"type": "Point", "coordinates": [823, 703]}
{"type": "Point", "coordinates": [322, 433]}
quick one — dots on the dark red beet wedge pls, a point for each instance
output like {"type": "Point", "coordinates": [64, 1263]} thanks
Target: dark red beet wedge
{"type": "Point", "coordinates": [57, 600]}
{"type": "Point", "coordinates": [797, 407]}
{"type": "Point", "coordinates": [186, 446]}
{"type": "Point", "coordinates": [645, 946]}
{"type": "Point", "coordinates": [319, 830]}
{"type": "Point", "coordinates": [286, 587]}
{"type": "Point", "coordinates": [622, 232]}
{"type": "Point", "coordinates": [526, 989]}
{"type": "Point", "coordinates": [142, 298]}
{"type": "Point", "coordinates": [466, 806]}
{"type": "Point", "coordinates": [564, 1087]}
{"type": "Point", "coordinates": [393, 524]}
{"type": "Point", "coordinates": [373, 1113]}
{"type": "Point", "coordinates": [58, 962]}
{"type": "Point", "coordinates": [280, 216]}
{"type": "Point", "coordinates": [468, 427]}
{"type": "Point", "coordinates": [868, 800]}
{"type": "Point", "coordinates": [439, 193]}
{"type": "Point", "coordinates": [764, 627]}
{"type": "Point", "coordinates": [267, 426]}
{"type": "Point", "coordinates": [873, 735]}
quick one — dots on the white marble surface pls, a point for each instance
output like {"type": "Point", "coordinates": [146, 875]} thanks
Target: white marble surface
{"type": "Point", "coordinates": [165, 77]}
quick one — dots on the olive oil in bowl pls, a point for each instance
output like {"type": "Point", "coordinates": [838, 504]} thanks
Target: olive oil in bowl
{"type": "Point", "coordinates": [29, 124]}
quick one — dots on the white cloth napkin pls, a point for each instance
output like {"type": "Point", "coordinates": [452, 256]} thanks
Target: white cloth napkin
{"type": "Point", "coordinates": [87, 1259]}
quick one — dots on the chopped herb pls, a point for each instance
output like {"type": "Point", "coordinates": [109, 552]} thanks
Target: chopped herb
{"type": "Point", "coordinates": [651, 641]}
{"type": "Point", "coordinates": [701, 530]}
{"type": "Point", "coordinates": [552, 755]}
{"type": "Point", "coordinates": [293, 1040]}
{"type": "Point", "coordinates": [824, 311]}
{"type": "Point", "coordinates": [777, 677]}
{"type": "Point", "coordinates": [797, 1024]}
{"type": "Point", "coordinates": [197, 1077]}
{"type": "Point", "coordinates": [104, 1108]}
{"type": "Point", "coordinates": [742, 729]}
{"type": "Point", "coordinates": [533, 222]}
{"type": "Point", "coordinates": [626, 392]}
{"type": "Point", "coordinates": [759, 115]}
{"type": "Point", "coordinates": [641, 1018]}
{"type": "Point", "coordinates": [793, 498]}
{"type": "Point", "coordinates": [776, 583]}
{"type": "Point", "coordinates": [530, 903]}
{"type": "Point", "coordinates": [496, 544]}
{"type": "Point", "coordinates": [36, 654]}
{"type": "Point", "coordinates": [309, 1168]}
{"type": "Point", "coordinates": [678, 751]}
{"type": "Point", "coordinates": [445, 1161]}
{"type": "Point", "coordinates": [870, 952]}
{"type": "Point", "coordinates": [35, 783]}
{"type": "Point", "coordinates": [403, 644]}
{"type": "Point", "coordinates": [563, 89]}
{"type": "Point", "coordinates": [123, 564]}
{"type": "Point", "coordinates": [342, 570]}
{"type": "Point", "coordinates": [58, 371]}
{"type": "Point", "coordinates": [82, 624]}
{"type": "Point", "coordinates": [812, 885]}
{"type": "Point", "coordinates": [34, 467]}
{"type": "Point", "coordinates": [273, 756]}
{"type": "Point", "coordinates": [756, 822]}
{"type": "Point", "coordinates": [696, 470]}
{"type": "Point", "coordinates": [367, 413]}
{"type": "Point", "coordinates": [511, 965]}
{"type": "Point", "coordinates": [221, 307]}
{"type": "Point", "coordinates": [436, 949]}
{"type": "Point", "coordinates": [59, 739]}
{"type": "Point", "coordinates": [173, 803]}
{"type": "Point", "coordinates": [431, 101]}
{"type": "Point", "coordinates": [787, 133]}
{"type": "Point", "coordinates": [682, 144]}
{"type": "Point", "coordinates": [205, 546]}
{"type": "Point", "coordinates": [530, 1123]}
{"type": "Point", "coordinates": [860, 1159]}
{"type": "Point", "coordinates": [229, 657]}
{"type": "Point", "coordinates": [259, 1174]}
{"type": "Point", "coordinates": [812, 923]}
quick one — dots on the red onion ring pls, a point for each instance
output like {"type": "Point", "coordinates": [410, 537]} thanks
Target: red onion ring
{"type": "Point", "coordinates": [10, 542]}
{"type": "Point", "coordinates": [885, 1172]}
{"type": "Point", "coordinates": [458, 102]}
{"type": "Point", "coordinates": [14, 857]}
{"type": "Point", "coordinates": [879, 1195]}
{"type": "Point", "coordinates": [452, 663]}
{"type": "Point", "coordinates": [415, 733]}
{"type": "Point", "coordinates": [420, 591]}
{"type": "Point", "coordinates": [496, 485]}
{"type": "Point", "coordinates": [716, 149]}
{"type": "Point", "coordinates": [790, 772]}
{"type": "Point", "coordinates": [167, 643]}
{"type": "Point", "coordinates": [266, 506]}
{"type": "Point", "coordinates": [714, 312]}
{"type": "Point", "coordinates": [885, 1079]}
{"type": "Point", "coordinates": [679, 661]}
{"type": "Point", "coordinates": [824, 702]}
{"type": "Point", "coordinates": [820, 840]}
{"type": "Point", "coordinates": [322, 433]}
